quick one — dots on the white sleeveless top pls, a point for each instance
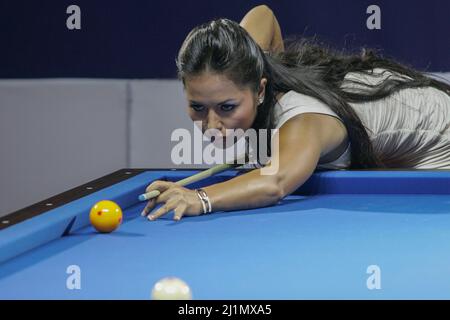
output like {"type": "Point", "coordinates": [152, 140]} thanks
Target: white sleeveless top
{"type": "Point", "coordinates": [293, 103]}
{"type": "Point", "coordinates": [412, 125]}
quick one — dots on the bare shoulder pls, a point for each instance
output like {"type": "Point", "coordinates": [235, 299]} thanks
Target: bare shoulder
{"type": "Point", "coordinates": [301, 143]}
{"type": "Point", "coordinates": [324, 130]}
{"type": "Point", "coordinates": [280, 95]}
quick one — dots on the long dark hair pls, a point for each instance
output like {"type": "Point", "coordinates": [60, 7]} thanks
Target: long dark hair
{"type": "Point", "coordinates": [306, 66]}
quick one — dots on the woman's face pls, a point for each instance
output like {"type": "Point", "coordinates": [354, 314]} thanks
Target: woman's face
{"type": "Point", "coordinates": [219, 104]}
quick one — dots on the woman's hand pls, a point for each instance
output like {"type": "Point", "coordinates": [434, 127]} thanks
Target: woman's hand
{"type": "Point", "coordinates": [185, 202]}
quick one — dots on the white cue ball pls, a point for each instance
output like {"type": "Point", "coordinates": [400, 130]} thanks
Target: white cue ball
{"type": "Point", "coordinates": [171, 288]}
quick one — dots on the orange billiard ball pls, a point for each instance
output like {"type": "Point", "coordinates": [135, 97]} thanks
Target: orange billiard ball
{"type": "Point", "coordinates": [105, 216]}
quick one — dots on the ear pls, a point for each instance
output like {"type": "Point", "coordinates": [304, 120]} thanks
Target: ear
{"type": "Point", "coordinates": [262, 88]}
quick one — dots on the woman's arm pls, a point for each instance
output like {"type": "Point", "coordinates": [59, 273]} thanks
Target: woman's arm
{"type": "Point", "coordinates": [261, 23]}
{"type": "Point", "coordinates": [302, 141]}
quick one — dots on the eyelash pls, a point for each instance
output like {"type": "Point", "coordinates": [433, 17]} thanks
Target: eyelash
{"type": "Point", "coordinates": [231, 107]}
{"type": "Point", "coordinates": [199, 108]}
{"type": "Point", "coordinates": [195, 107]}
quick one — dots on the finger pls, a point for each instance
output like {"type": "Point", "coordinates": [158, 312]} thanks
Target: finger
{"type": "Point", "coordinates": [179, 211]}
{"type": "Point", "coordinates": [150, 205]}
{"type": "Point", "coordinates": [165, 196]}
{"type": "Point", "coordinates": [159, 185]}
{"type": "Point", "coordinates": [162, 211]}
{"type": "Point", "coordinates": [154, 201]}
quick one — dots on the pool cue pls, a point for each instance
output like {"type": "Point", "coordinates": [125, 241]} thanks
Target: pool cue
{"type": "Point", "coordinates": [196, 177]}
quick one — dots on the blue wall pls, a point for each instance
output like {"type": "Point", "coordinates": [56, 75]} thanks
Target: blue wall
{"type": "Point", "coordinates": [140, 39]}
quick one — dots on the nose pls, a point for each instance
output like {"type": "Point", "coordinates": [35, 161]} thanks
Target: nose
{"type": "Point", "coordinates": [213, 121]}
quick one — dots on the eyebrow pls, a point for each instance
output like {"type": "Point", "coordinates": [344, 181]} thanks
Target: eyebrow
{"type": "Point", "coordinates": [228, 100]}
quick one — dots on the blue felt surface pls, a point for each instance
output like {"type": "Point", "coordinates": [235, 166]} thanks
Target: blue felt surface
{"type": "Point", "coordinates": [306, 247]}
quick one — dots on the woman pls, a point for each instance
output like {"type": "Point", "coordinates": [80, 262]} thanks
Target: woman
{"type": "Point", "coordinates": [332, 111]}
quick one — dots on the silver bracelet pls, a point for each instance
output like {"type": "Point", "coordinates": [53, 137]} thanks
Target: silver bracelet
{"type": "Point", "coordinates": [201, 200]}
{"type": "Point", "coordinates": [206, 203]}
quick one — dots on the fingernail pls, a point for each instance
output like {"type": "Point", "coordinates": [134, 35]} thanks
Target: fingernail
{"type": "Point", "coordinates": [144, 212]}
{"type": "Point", "coordinates": [151, 218]}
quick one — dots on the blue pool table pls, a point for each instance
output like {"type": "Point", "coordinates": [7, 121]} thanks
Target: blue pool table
{"type": "Point", "coordinates": [322, 242]}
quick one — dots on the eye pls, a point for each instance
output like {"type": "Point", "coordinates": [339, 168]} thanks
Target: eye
{"type": "Point", "coordinates": [227, 107]}
{"type": "Point", "coordinates": [197, 107]}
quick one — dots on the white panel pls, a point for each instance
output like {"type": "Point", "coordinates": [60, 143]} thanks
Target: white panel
{"type": "Point", "coordinates": [58, 134]}
{"type": "Point", "coordinates": [158, 107]}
